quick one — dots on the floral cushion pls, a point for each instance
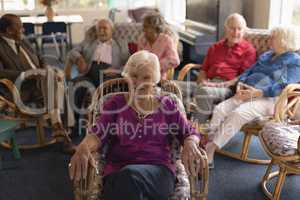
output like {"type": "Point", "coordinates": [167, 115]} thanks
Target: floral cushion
{"type": "Point", "coordinates": [281, 139]}
{"type": "Point", "coordinates": [182, 185]}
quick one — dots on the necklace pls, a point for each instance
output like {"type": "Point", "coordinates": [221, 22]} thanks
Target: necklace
{"type": "Point", "coordinates": [141, 111]}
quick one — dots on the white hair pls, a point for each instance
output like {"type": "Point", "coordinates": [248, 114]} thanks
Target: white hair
{"type": "Point", "coordinates": [143, 58]}
{"type": "Point", "coordinates": [104, 20]}
{"type": "Point", "coordinates": [286, 37]}
{"type": "Point", "coordinates": [238, 17]}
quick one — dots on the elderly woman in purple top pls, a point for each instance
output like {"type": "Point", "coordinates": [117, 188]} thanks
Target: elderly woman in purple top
{"type": "Point", "coordinates": [139, 163]}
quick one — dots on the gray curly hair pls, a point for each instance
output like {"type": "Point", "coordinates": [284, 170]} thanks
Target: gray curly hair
{"type": "Point", "coordinates": [155, 20]}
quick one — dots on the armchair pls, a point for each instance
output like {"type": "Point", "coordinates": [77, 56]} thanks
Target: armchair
{"type": "Point", "coordinates": [281, 140]}
{"type": "Point", "coordinates": [186, 187]}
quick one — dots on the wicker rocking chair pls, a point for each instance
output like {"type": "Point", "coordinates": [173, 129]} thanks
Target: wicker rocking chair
{"type": "Point", "coordinates": [186, 187]}
{"type": "Point", "coordinates": [281, 140]}
{"type": "Point", "coordinates": [10, 111]}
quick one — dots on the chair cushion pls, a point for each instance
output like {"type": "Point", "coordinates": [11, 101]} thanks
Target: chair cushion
{"type": "Point", "coordinates": [281, 139]}
{"type": "Point", "coordinates": [182, 185]}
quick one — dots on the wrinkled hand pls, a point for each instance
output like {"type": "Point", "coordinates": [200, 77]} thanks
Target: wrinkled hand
{"type": "Point", "coordinates": [82, 66]}
{"type": "Point", "coordinates": [111, 72]}
{"type": "Point", "coordinates": [243, 86]}
{"type": "Point", "coordinates": [243, 95]}
{"type": "Point", "coordinates": [191, 157]}
{"type": "Point", "coordinates": [245, 92]}
{"type": "Point", "coordinates": [79, 163]}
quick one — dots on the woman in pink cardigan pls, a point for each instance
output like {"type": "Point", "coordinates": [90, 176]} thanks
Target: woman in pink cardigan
{"type": "Point", "coordinates": [159, 39]}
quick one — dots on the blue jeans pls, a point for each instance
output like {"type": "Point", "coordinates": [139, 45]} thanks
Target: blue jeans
{"type": "Point", "coordinates": [139, 182]}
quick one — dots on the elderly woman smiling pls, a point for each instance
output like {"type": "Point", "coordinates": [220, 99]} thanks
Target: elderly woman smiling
{"type": "Point", "coordinates": [258, 88]}
{"type": "Point", "coordinates": [139, 162]}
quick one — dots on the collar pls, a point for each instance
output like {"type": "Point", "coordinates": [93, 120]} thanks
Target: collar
{"type": "Point", "coordinates": [9, 41]}
{"type": "Point", "coordinates": [109, 42]}
{"type": "Point", "coordinates": [239, 44]}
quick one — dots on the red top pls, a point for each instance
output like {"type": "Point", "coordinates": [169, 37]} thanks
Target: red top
{"type": "Point", "coordinates": [227, 62]}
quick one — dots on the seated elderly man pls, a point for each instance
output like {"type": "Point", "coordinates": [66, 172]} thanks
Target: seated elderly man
{"type": "Point", "coordinates": [258, 88]}
{"type": "Point", "coordinates": [98, 58]}
{"type": "Point", "coordinates": [224, 62]}
{"type": "Point", "coordinates": [97, 53]}
{"type": "Point", "coordinates": [18, 57]}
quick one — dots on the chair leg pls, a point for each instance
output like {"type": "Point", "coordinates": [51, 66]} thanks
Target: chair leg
{"type": "Point", "coordinates": [40, 132]}
{"type": "Point", "coordinates": [280, 182]}
{"type": "Point", "coordinates": [14, 146]}
{"type": "Point", "coordinates": [245, 148]}
{"type": "Point", "coordinates": [268, 171]}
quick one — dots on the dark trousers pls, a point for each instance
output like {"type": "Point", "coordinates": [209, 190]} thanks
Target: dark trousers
{"type": "Point", "coordinates": [80, 97]}
{"type": "Point", "coordinates": [139, 182]}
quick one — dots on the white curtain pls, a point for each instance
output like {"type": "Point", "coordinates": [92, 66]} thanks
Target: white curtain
{"type": "Point", "coordinates": [131, 4]}
{"type": "Point", "coordinates": [172, 10]}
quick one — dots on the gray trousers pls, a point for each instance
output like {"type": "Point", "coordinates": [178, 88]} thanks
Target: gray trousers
{"type": "Point", "coordinates": [204, 97]}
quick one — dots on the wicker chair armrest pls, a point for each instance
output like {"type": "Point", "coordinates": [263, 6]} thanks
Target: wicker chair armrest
{"type": "Point", "coordinates": [288, 104]}
{"type": "Point", "coordinates": [199, 184]}
{"type": "Point", "coordinates": [13, 90]}
{"type": "Point", "coordinates": [183, 72]}
{"type": "Point", "coordinates": [170, 73]}
{"type": "Point", "coordinates": [89, 188]}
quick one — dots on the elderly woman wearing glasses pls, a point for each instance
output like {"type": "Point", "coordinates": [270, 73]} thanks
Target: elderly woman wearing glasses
{"type": "Point", "coordinates": [139, 162]}
{"type": "Point", "coordinates": [257, 89]}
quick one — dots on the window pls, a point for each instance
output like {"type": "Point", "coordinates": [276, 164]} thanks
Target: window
{"type": "Point", "coordinates": [13, 5]}
{"type": "Point", "coordinates": [284, 12]}
{"type": "Point", "coordinates": [81, 4]}
{"type": "Point", "coordinates": [296, 14]}
{"type": "Point", "coordinates": [131, 4]}
{"type": "Point", "coordinates": [17, 5]}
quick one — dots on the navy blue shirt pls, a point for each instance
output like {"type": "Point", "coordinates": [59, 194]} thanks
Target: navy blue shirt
{"type": "Point", "coordinates": [272, 75]}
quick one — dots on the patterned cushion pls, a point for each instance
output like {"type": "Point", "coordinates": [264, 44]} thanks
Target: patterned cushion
{"type": "Point", "coordinates": [281, 139]}
{"type": "Point", "coordinates": [182, 186]}
{"type": "Point", "coordinates": [127, 31]}
{"type": "Point", "coordinates": [259, 38]}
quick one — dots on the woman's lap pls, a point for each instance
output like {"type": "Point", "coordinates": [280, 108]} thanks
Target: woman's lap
{"type": "Point", "coordinates": [139, 182]}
